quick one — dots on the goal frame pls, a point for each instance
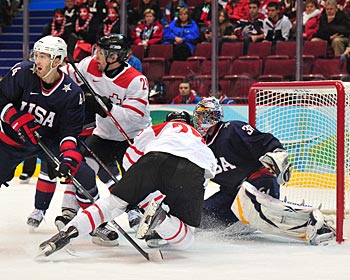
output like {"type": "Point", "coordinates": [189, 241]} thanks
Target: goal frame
{"type": "Point", "coordinates": [340, 132]}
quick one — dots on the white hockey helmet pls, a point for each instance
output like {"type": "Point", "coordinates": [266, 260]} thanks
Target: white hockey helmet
{"type": "Point", "coordinates": [54, 46]}
{"type": "Point", "coordinates": [207, 113]}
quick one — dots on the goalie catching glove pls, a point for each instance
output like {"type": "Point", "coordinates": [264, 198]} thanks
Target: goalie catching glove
{"type": "Point", "coordinates": [277, 163]}
{"type": "Point", "coordinates": [70, 159]}
{"type": "Point", "coordinates": [23, 123]}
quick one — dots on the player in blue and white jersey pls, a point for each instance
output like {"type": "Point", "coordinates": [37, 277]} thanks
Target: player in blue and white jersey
{"type": "Point", "coordinates": [251, 167]}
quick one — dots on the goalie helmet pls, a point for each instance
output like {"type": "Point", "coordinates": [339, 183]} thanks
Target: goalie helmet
{"type": "Point", "coordinates": [115, 44]}
{"type": "Point", "coordinates": [182, 116]}
{"type": "Point", "coordinates": [54, 46]}
{"type": "Point", "coordinates": [207, 113]}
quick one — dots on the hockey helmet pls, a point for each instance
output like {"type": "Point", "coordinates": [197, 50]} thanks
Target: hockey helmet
{"type": "Point", "coordinates": [115, 44]}
{"type": "Point", "coordinates": [207, 113]}
{"type": "Point", "coordinates": [54, 46]}
{"type": "Point", "coordinates": [182, 116]}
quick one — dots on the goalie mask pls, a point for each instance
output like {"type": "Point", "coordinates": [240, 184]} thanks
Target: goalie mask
{"type": "Point", "coordinates": [206, 114]}
{"type": "Point", "coordinates": [114, 44]}
{"type": "Point", "coordinates": [182, 116]}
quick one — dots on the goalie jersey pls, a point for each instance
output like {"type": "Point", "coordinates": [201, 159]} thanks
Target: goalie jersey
{"type": "Point", "coordinates": [237, 147]}
{"type": "Point", "coordinates": [58, 110]}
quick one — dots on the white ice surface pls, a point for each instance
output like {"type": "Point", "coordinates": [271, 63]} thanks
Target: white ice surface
{"type": "Point", "coordinates": [215, 255]}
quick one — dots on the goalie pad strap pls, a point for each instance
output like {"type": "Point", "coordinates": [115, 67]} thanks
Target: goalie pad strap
{"type": "Point", "coordinates": [270, 215]}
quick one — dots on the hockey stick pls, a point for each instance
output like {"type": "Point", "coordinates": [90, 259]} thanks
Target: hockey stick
{"type": "Point", "coordinates": [150, 257]}
{"type": "Point", "coordinates": [71, 45]}
{"type": "Point", "coordinates": [99, 161]}
{"type": "Point", "coordinates": [57, 162]}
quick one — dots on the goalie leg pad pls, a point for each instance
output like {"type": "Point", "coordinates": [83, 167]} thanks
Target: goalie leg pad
{"type": "Point", "coordinates": [270, 215]}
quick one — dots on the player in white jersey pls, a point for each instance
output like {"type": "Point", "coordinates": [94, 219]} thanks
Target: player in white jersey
{"type": "Point", "coordinates": [167, 168]}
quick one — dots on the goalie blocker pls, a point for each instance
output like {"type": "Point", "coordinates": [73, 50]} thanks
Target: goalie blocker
{"type": "Point", "coordinates": [273, 216]}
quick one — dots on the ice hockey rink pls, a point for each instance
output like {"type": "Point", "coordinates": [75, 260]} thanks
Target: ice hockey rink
{"type": "Point", "coordinates": [215, 255]}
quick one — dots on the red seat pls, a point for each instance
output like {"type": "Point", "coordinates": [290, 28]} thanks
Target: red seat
{"type": "Point", "coordinates": [223, 68]}
{"type": "Point", "coordinates": [231, 50]}
{"type": "Point", "coordinates": [153, 68]}
{"type": "Point", "coordinates": [247, 67]}
{"type": "Point", "coordinates": [315, 48]}
{"type": "Point", "coordinates": [239, 86]}
{"type": "Point", "coordinates": [287, 48]}
{"type": "Point", "coordinates": [184, 68]}
{"type": "Point", "coordinates": [138, 51]}
{"type": "Point", "coordinates": [164, 51]}
{"type": "Point", "coordinates": [326, 69]}
{"type": "Point", "coordinates": [261, 49]}
{"type": "Point", "coordinates": [275, 68]}
{"type": "Point", "coordinates": [200, 84]}
{"type": "Point", "coordinates": [204, 49]}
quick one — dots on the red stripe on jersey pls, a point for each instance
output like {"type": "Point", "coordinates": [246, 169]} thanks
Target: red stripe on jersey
{"type": "Point", "coordinates": [181, 239]}
{"type": "Point", "coordinates": [134, 109]}
{"type": "Point", "coordinates": [46, 187]}
{"type": "Point", "coordinates": [178, 232]}
{"type": "Point", "coordinates": [157, 198]}
{"type": "Point", "coordinates": [140, 153]}
{"type": "Point", "coordinates": [91, 220]}
{"type": "Point", "coordinates": [125, 78]}
{"type": "Point", "coordinates": [69, 192]}
{"type": "Point", "coordinates": [83, 205]}
{"type": "Point", "coordinates": [144, 102]}
{"type": "Point", "coordinates": [100, 213]}
{"type": "Point", "coordinates": [93, 68]}
{"type": "Point", "coordinates": [129, 158]}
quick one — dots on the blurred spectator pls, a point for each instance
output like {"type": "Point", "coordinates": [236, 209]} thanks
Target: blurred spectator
{"type": "Point", "coordinates": [98, 8]}
{"type": "Point", "coordinates": [134, 61]}
{"type": "Point", "coordinates": [86, 29]}
{"type": "Point", "coordinates": [223, 99]}
{"type": "Point", "coordinates": [130, 12]}
{"type": "Point", "coordinates": [171, 11]}
{"type": "Point", "coordinates": [148, 33]}
{"type": "Point", "coordinates": [251, 30]}
{"type": "Point", "coordinates": [58, 27]}
{"type": "Point", "coordinates": [111, 24]}
{"type": "Point", "coordinates": [346, 7]}
{"type": "Point", "coordinates": [311, 19]}
{"type": "Point", "coordinates": [7, 12]}
{"type": "Point", "coordinates": [289, 8]}
{"type": "Point", "coordinates": [277, 27]}
{"type": "Point", "coordinates": [345, 58]}
{"type": "Point", "coordinates": [157, 94]}
{"type": "Point", "coordinates": [186, 95]}
{"type": "Point", "coordinates": [263, 6]}
{"type": "Point", "coordinates": [144, 5]}
{"type": "Point", "coordinates": [202, 14]}
{"type": "Point", "coordinates": [237, 10]}
{"type": "Point", "coordinates": [334, 27]}
{"type": "Point", "coordinates": [70, 12]}
{"type": "Point", "coordinates": [182, 33]}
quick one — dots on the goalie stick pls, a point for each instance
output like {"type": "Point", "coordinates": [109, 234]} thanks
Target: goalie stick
{"type": "Point", "coordinates": [149, 256]}
{"type": "Point", "coordinates": [70, 49]}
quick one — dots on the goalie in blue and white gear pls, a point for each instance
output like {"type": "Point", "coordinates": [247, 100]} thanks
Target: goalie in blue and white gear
{"type": "Point", "coordinates": [246, 155]}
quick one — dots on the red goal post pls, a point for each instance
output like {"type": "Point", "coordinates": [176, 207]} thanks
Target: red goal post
{"type": "Point", "coordinates": [312, 120]}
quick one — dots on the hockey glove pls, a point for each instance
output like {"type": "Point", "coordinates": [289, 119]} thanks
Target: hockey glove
{"type": "Point", "coordinates": [24, 124]}
{"type": "Point", "coordinates": [70, 159]}
{"type": "Point", "coordinates": [277, 163]}
{"type": "Point", "coordinates": [93, 106]}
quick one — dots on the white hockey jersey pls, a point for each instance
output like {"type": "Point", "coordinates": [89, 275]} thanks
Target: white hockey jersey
{"type": "Point", "coordinates": [176, 138]}
{"type": "Point", "coordinates": [128, 92]}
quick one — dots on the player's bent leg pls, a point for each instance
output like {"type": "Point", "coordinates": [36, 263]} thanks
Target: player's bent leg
{"type": "Point", "coordinates": [286, 219]}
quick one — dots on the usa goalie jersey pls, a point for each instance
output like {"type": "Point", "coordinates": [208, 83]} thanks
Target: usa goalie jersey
{"type": "Point", "coordinates": [237, 147]}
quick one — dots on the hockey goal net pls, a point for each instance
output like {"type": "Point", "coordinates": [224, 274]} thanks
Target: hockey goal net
{"type": "Point", "coordinates": [311, 119]}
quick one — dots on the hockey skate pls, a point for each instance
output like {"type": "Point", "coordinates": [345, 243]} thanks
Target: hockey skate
{"type": "Point", "coordinates": [153, 216]}
{"type": "Point", "coordinates": [317, 230]}
{"type": "Point", "coordinates": [134, 217]}
{"type": "Point", "coordinates": [58, 241]}
{"type": "Point", "coordinates": [35, 218]}
{"type": "Point", "coordinates": [67, 215]}
{"type": "Point", "coordinates": [153, 240]}
{"type": "Point", "coordinates": [105, 236]}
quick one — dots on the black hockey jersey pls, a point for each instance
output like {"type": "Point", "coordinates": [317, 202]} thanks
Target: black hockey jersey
{"type": "Point", "coordinates": [237, 147]}
{"type": "Point", "coordinates": [60, 111]}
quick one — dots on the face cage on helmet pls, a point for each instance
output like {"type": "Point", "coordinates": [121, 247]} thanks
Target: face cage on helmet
{"type": "Point", "coordinates": [207, 120]}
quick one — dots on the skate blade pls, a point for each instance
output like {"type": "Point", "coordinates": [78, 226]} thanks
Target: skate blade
{"type": "Point", "coordinates": [45, 250]}
{"type": "Point", "coordinates": [156, 256]}
{"type": "Point", "coordinates": [146, 219]}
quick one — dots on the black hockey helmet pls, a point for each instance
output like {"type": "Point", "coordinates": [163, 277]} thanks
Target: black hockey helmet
{"type": "Point", "coordinates": [115, 44]}
{"type": "Point", "coordinates": [182, 116]}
